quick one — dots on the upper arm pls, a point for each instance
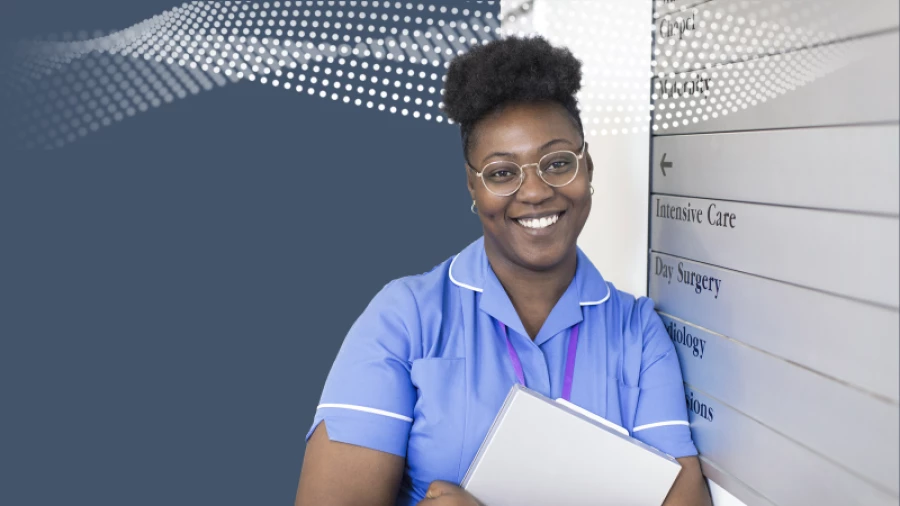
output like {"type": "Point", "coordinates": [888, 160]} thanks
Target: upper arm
{"type": "Point", "coordinates": [367, 406]}
{"type": "Point", "coordinates": [661, 419]}
{"type": "Point", "coordinates": [337, 474]}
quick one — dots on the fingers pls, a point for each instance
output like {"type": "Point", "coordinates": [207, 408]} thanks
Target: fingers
{"type": "Point", "coordinates": [439, 488]}
{"type": "Point", "coordinates": [443, 493]}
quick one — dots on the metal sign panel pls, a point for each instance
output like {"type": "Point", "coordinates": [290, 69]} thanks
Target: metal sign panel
{"type": "Point", "coordinates": [794, 401]}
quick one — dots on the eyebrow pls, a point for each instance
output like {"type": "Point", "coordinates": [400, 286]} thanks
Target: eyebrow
{"type": "Point", "coordinates": [541, 148]}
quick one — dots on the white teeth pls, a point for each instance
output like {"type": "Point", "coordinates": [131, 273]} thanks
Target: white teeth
{"type": "Point", "coordinates": [539, 222]}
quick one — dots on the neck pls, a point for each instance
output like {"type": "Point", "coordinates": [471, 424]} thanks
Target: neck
{"type": "Point", "coordinates": [532, 293]}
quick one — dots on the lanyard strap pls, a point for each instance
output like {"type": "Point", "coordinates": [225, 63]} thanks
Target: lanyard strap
{"type": "Point", "coordinates": [570, 361]}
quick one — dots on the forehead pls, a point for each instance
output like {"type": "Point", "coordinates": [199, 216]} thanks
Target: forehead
{"type": "Point", "coordinates": [523, 128]}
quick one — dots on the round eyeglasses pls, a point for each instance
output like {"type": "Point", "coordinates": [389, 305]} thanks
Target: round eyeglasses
{"type": "Point", "coordinates": [557, 169]}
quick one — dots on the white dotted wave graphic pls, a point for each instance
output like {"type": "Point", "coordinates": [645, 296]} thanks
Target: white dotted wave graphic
{"type": "Point", "coordinates": [710, 59]}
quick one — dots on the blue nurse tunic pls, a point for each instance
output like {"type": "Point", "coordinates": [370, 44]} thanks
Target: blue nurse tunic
{"type": "Point", "coordinates": [424, 370]}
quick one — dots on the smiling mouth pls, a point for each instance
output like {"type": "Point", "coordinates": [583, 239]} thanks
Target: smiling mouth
{"type": "Point", "coordinates": [540, 223]}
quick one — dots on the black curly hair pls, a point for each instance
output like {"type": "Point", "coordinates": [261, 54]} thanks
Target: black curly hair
{"type": "Point", "coordinates": [507, 70]}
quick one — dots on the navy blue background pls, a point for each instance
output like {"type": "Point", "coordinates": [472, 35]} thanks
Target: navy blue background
{"type": "Point", "coordinates": [176, 286]}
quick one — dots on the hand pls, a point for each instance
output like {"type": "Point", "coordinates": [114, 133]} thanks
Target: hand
{"type": "Point", "coordinates": [443, 493]}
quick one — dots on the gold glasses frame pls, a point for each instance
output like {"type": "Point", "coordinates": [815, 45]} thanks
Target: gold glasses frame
{"type": "Point", "coordinates": [537, 168]}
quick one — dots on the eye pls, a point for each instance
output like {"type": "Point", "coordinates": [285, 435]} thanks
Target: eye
{"type": "Point", "coordinates": [501, 172]}
{"type": "Point", "coordinates": [559, 163]}
{"type": "Point", "coordinates": [557, 166]}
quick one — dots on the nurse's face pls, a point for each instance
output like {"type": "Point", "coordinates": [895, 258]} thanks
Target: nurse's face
{"type": "Point", "coordinates": [523, 133]}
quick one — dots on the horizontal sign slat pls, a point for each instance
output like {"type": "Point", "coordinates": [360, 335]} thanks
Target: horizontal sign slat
{"type": "Point", "coordinates": [844, 83]}
{"type": "Point", "coordinates": [844, 168]}
{"type": "Point", "coordinates": [695, 35]}
{"type": "Point", "coordinates": [731, 485]}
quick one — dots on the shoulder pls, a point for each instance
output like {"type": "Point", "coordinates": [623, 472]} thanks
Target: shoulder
{"type": "Point", "coordinates": [635, 312]}
{"type": "Point", "coordinates": [644, 340]}
{"type": "Point", "coordinates": [636, 322]}
{"type": "Point", "coordinates": [428, 284]}
{"type": "Point", "coordinates": [413, 293]}
{"type": "Point", "coordinates": [394, 319]}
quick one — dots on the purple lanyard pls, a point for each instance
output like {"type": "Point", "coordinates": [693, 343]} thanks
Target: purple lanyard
{"type": "Point", "coordinates": [570, 361]}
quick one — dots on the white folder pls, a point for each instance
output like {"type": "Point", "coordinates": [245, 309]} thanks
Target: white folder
{"type": "Point", "coordinates": [541, 452]}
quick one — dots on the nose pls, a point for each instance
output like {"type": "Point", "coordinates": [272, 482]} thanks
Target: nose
{"type": "Point", "coordinates": [534, 190]}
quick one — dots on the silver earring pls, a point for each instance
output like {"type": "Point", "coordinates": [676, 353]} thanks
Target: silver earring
{"type": "Point", "coordinates": [592, 189]}
{"type": "Point", "coordinates": [473, 208]}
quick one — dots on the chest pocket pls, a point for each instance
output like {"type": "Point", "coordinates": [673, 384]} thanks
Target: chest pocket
{"type": "Point", "coordinates": [438, 430]}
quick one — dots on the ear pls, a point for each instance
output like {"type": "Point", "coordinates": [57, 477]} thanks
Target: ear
{"type": "Point", "coordinates": [470, 181]}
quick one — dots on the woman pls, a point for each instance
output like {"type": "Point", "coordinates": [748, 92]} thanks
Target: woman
{"type": "Point", "coordinates": [426, 367]}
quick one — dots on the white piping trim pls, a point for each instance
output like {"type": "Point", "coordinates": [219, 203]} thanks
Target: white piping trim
{"type": "Point", "coordinates": [481, 290]}
{"type": "Point", "coordinates": [601, 301]}
{"type": "Point", "coordinates": [660, 424]}
{"type": "Point", "coordinates": [367, 410]}
{"type": "Point", "coordinates": [457, 283]}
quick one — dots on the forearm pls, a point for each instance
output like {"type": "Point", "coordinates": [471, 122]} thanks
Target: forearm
{"type": "Point", "coordinates": [690, 487]}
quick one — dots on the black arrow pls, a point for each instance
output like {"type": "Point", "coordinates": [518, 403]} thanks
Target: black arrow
{"type": "Point", "coordinates": [663, 164]}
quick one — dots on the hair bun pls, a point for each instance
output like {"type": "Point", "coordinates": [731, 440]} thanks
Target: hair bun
{"type": "Point", "coordinates": [511, 69]}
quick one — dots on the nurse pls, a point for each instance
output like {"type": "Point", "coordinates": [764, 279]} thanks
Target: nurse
{"type": "Point", "coordinates": [426, 367]}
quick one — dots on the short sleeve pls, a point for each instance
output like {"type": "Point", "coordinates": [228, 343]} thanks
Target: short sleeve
{"type": "Point", "coordinates": [661, 419]}
{"type": "Point", "coordinates": [368, 397]}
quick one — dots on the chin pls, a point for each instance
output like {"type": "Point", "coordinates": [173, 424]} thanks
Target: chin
{"type": "Point", "coordinates": [538, 258]}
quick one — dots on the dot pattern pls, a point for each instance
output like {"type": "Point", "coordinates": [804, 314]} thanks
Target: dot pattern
{"type": "Point", "coordinates": [734, 87]}
{"type": "Point", "coordinates": [709, 59]}
{"type": "Point", "coordinates": [610, 39]}
{"type": "Point", "coordinates": [386, 55]}
{"type": "Point", "coordinates": [724, 57]}
{"type": "Point", "coordinates": [724, 31]}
